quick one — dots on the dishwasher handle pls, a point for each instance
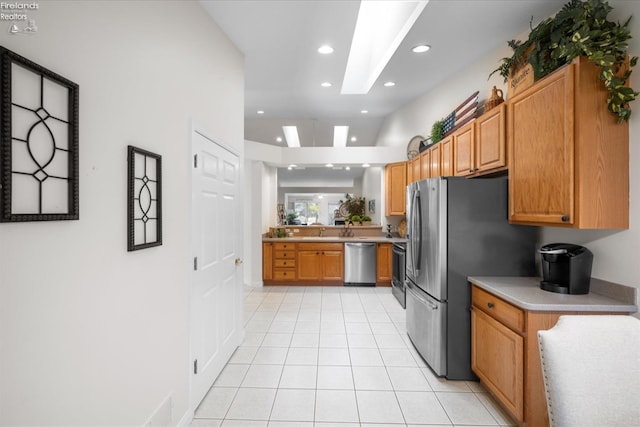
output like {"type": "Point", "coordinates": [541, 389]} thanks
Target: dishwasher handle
{"type": "Point", "coordinates": [360, 244]}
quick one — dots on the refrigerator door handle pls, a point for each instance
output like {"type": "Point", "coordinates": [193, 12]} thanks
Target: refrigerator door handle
{"type": "Point", "coordinates": [419, 297]}
{"type": "Point", "coordinates": [411, 235]}
{"type": "Point", "coordinates": [418, 226]}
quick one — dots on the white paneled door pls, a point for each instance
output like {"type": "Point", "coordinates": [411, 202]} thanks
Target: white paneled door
{"type": "Point", "coordinates": [216, 285]}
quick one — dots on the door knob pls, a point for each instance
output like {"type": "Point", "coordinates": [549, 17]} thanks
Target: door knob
{"type": "Point", "coordinates": [238, 261]}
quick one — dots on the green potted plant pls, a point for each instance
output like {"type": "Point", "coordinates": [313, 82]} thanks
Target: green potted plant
{"type": "Point", "coordinates": [291, 218]}
{"type": "Point", "coordinates": [579, 28]}
{"type": "Point", "coordinates": [354, 205]}
{"type": "Point", "coordinates": [437, 131]}
{"type": "Point", "coordinates": [355, 218]}
{"type": "Point", "coordinates": [366, 220]}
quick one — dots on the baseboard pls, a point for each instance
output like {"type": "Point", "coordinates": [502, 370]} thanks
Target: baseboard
{"type": "Point", "coordinates": [186, 419]}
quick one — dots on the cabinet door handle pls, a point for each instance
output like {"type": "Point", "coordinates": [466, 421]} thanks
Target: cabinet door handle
{"type": "Point", "coordinates": [470, 170]}
{"type": "Point", "coordinates": [490, 304]}
{"type": "Point", "coordinates": [565, 218]}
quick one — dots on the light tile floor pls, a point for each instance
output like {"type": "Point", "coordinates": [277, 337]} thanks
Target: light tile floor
{"type": "Point", "coordinates": [335, 356]}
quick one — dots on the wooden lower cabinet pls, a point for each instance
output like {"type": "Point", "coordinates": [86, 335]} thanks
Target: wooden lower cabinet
{"type": "Point", "coordinates": [284, 261]}
{"type": "Point", "coordinates": [497, 358]}
{"type": "Point", "coordinates": [309, 264]}
{"type": "Point", "coordinates": [267, 261]}
{"type": "Point", "coordinates": [505, 354]}
{"type": "Point", "coordinates": [278, 262]}
{"type": "Point", "coordinates": [383, 264]}
{"type": "Point", "coordinates": [321, 262]}
{"type": "Point", "coordinates": [290, 263]}
{"type": "Point", "coordinates": [333, 265]}
{"type": "Point", "coordinates": [315, 263]}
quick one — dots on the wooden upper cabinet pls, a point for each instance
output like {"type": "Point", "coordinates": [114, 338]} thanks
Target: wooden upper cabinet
{"type": "Point", "coordinates": [568, 155]}
{"type": "Point", "coordinates": [490, 142]}
{"type": "Point", "coordinates": [463, 150]}
{"type": "Point", "coordinates": [425, 164]}
{"type": "Point", "coordinates": [480, 147]}
{"type": "Point", "coordinates": [435, 160]}
{"type": "Point", "coordinates": [395, 188]}
{"type": "Point", "coordinates": [446, 156]}
{"type": "Point", "coordinates": [413, 170]}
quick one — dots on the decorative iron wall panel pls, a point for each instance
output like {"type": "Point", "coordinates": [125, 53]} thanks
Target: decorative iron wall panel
{"type": "Point", "coordinates": [144, 201]}
{"type": "Point", "coordinates": [38, 142]}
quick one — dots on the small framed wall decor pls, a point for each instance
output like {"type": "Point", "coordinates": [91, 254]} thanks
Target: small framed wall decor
{"type": "Point", "coordinates": [144, 199]}
{"type": "Point", "coordinates": [38, 142]}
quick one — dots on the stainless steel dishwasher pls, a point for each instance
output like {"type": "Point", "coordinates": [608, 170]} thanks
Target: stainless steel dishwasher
{"type": "Point", "coordinates": [359, 263]}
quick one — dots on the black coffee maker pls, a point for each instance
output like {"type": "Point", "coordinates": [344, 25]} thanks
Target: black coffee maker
{"type": "Point", "coordinates": [566, 268]}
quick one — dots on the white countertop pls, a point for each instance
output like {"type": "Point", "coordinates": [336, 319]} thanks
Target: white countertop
{"type": "Point", "coordinates": [525, 292]}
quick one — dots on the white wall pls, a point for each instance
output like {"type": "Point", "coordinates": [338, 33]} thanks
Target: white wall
{"type": "Point", "coordinates": [89, 333]}
{"type": "Point", "coordinates": [372, 185]}
{"type": "Point", "coordinates": [615, 252]}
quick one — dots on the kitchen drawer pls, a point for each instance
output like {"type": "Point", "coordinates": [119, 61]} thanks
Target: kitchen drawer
{"type": "Point", "coordinates": [320, 247]}
{"type": "Point", "coordinates": [284, 274]}
{"type": "Point", "coordinates": [281, 246]}
{"type": "Point", "coordinates": [285, 255]}
{"type": "Point", "coordinates": [285, 263]}
{"type": "Point", "coordinates": [499, 309]}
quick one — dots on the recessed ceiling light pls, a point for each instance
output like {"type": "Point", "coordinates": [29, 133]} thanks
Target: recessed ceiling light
{"type": "Point", "coordinates": [292, 166]}
{"type": "Point", "coordinates": [364, 111]}
{"type": "Point", "coordinates": [354, 139]}
{"type": "Point", "coordinates": [325, 49]}
{"type": "Point", "coordinates": [365, 165]}
{"type": "Point", "coordinates": [325, 84]}
{"type": "Point", "coordinates": [389, 84]}
{"type": "Point", "coordinates": [348, 168]}
{"type": "Point", "coordinates": [260, 112]}
{"type": "Point", "coordinates": [421, 48]}
{"type": "Point", "coordinates": [329, 165]}
{"type": "Point", "coordinates": [320, 196]}
{"type": "Point", "coordinates": [289, 168]}
{"type": "Point", "coordinates": [279, 139]}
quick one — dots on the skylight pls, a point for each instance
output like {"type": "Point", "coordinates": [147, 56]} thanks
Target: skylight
{"type": "Point", "coordinates": [291, 135]}
{"type": "Point", "coordinates": [380, 28]}
{"type": "Point", "coordinates": [340, 134]}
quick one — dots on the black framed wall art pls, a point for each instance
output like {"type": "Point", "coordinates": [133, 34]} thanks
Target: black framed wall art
{"type": "Point", "coordinates": [38, 142]}
{"type": "Point", "coordinates": [144, 199]}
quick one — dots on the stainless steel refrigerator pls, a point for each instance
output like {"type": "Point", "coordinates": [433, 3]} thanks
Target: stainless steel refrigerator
{"type": "Point", "coordinates": [457, 227]}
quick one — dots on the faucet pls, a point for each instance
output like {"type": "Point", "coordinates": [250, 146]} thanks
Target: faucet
{"type": "Point", "coordinates": [346, 230]}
